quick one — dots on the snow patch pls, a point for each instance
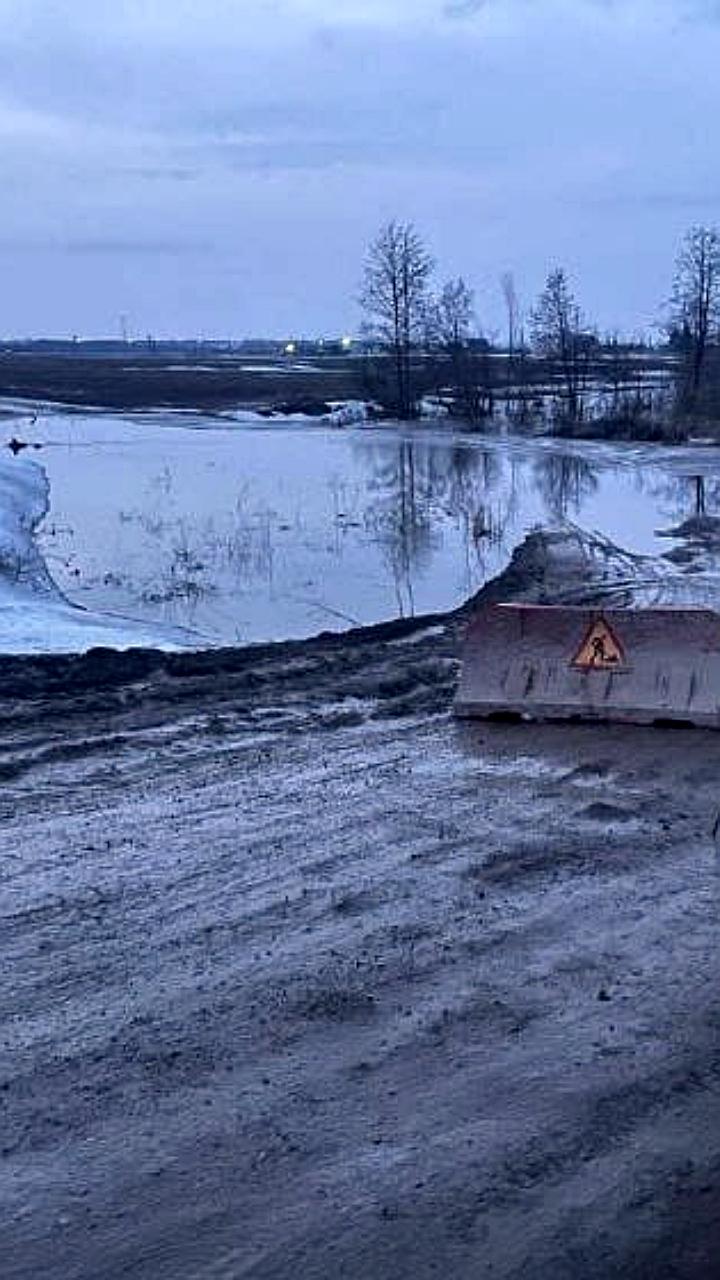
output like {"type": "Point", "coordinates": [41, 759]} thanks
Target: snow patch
{"type": "Point", "coordinates": [342, 413]}
{"type": "Point", "coordinates": [24, 501]}
{"type": "Point", "coordinates": [347, 413]}
{"type": "Point", "coordinates": [35, 617]}
{"type": "Point", "coordinates": [434, 407]}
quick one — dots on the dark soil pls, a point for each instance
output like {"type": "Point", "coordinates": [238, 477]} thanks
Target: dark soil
{"type": "Point", "coordinates": [145, 381]}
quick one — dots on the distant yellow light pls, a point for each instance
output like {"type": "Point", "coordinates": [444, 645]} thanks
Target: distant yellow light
{"type": "Point", "coordinates": [290, 349]}
{"type": "Point", "coordinates": [346, 343]}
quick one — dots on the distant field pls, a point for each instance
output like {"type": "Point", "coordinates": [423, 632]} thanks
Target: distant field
{"type": "Point", "coordinates": [208, 379]}
{"type": "Point", "coordinates": [133, 380]}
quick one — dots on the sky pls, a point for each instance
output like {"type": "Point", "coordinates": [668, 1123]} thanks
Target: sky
{"type": "Point", "coordinates": [216, 168]}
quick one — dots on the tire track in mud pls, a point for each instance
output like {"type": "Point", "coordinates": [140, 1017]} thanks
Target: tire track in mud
{"type": "Point", "coordinates": [295, 994]}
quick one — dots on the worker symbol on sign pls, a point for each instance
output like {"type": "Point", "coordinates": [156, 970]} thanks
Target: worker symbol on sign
{"type": "Point", "coordinates": [600, 650]}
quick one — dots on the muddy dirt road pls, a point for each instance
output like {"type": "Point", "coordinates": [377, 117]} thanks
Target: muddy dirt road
{"type": "Point", "coordinates": [302, 978]}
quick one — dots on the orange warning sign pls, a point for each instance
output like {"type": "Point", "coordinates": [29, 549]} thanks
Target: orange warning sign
{"type": "Point", "coordinates": [600, 650]}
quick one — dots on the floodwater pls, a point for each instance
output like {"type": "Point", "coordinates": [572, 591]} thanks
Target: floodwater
{"type": "Point", "coordinates": [245, 531]}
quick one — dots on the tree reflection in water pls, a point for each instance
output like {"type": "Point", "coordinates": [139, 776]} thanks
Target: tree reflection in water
{"type": "Point", "coordinates": [416, 486]}
{"type": "Point", "coordinates": [564, 481]}
{"type": "Point", "coordinates": [266, 535]}
{"type": "Point", "coordinates": [399, 514]}
{"type": "Point", "coordinates": [683, 494]}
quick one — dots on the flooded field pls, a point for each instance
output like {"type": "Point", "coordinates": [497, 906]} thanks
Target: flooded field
{"type": "Point", "coordinates": [242, 531]}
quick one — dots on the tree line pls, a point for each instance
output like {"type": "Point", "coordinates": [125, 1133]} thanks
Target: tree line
{"type": "Point", "coordinates": [428, 334]}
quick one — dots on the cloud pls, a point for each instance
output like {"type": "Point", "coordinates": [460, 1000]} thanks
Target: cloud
{"type": "Point", "coordinates": [264, 141]}
{"type": "Point", "coordinates": [136, 246]}
{"type": "Point", "coordinates": [464, 8]}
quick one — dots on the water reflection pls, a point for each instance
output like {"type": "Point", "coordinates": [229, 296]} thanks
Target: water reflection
{"type": "Point", "coordinates": [249, 535]}
{"type": "Point", "coordinates": [565, 481]}
{"type": "Point", "coordinates": [683, 494]}
{"type": "Point", "coordinates": [400, 514]}
{"type": "Point", "coordinates": [420, 490]}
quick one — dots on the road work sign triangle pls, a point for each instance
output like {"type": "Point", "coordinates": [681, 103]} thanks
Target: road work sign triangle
{"type": "Point", "coordinates": [600, 650]}
{"type": "Point", "coordinates": [555, 662]}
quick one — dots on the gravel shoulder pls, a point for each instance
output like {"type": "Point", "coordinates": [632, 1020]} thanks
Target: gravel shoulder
{"type": "Point", "coordinates": [302, 977]}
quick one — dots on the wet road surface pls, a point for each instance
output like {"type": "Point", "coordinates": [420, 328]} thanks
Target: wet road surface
{"type": "Point", "coordinates": [302, 978]}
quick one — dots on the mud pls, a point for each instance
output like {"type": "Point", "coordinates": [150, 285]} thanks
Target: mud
{"type": "Point", "coordinates": [303, 978]}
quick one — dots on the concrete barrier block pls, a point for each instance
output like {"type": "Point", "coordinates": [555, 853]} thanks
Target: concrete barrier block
{"type": "Point", "coordinates": [544, 662]}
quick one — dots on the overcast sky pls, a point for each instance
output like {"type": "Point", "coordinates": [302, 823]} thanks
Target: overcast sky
{"type": "Point", "coordinates": [216, 167]}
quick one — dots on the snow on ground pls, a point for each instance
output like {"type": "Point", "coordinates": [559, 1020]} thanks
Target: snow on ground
{"type": "Point", "coordinates": [343, 413]}
{"type": "Point", "coordinates": [35, 617]}
{"type": "Point", "coordinates": [24, 500]}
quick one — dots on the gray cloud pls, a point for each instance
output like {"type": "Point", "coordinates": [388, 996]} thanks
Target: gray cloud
{"type": "Point", "coordinates": [224, 171]}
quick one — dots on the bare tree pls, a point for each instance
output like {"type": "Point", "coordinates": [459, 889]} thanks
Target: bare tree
{"type": "Point", "coordinates": [559, 334]}
{"type": "Point", "coordinates": [450, 316]}
{"type": "Point", "coordinates": [512, 311]}
{"type": "Point", "coordinates": [394, 296]}
{"type": "Point", "coordinates": [696, 299]}
{"type": "Point", "coordinates": [452, 333]}
{"type": "Point", "coordinates": [514, 370]}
